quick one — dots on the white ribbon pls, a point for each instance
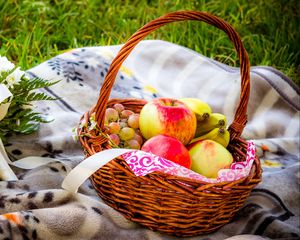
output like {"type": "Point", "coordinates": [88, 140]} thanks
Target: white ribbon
{"type": "Point", "coordinates": [4, 94]}
{"type": "Point", "coordinates": [75, 177]}
{"type": "Point", "coordinates": [5, 171]}
{"type": "Point", "coordinates": [25, 163]}
{"type": "Point", "coordinates": [87, 167]}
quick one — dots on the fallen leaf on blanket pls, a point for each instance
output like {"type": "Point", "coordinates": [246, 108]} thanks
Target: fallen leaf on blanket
{"type": "Point", "coordinates": [265, 148]}
{"type": "Point", "coordinates": [127, 71]}
{"type": "Point", "coordinates": [271, 163]}
{"type": "Point", "coordinates": [12, 217]}
{"type": "Point", "coordinates": [150, 89]}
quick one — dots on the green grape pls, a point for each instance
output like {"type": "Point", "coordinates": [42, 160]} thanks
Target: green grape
{"type": "Point", "coordinates": [119, 107]}
{"type": "Point", "coordinates": [111, 115]}
{"type": "Point", "coordinates": [115, 138]}
{"type": "Point", "coordinates": [133, 121]}
{"type": "Point", "coordinates": [114, 127]}
{"type": "Point", "coordinates": [123, 124]}
{"type": "Point", "coordinates": [126, 113]}
{"type": "Point", "coordinates": [133, 144]}
{"type": "Point", "coordinates": [126, 133]}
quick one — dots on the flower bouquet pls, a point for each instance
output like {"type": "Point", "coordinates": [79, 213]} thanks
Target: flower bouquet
{"type": "Point", "coordinates": [18, 92]}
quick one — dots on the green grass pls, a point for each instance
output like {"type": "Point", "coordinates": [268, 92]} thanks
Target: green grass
{"type": "Point", "coordinates": [34, 31]}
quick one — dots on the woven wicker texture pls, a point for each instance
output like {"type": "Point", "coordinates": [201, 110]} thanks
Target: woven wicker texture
{"type": "Point", "coordinates": [161, 202]}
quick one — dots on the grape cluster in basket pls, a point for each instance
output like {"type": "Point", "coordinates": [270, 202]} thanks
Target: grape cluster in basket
{"type": "Point", "coordinates": [123, 127]}
{"type": "Point", "coordinates": [184, 131]}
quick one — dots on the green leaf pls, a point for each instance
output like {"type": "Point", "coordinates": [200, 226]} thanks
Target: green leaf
{"type": "Point", "coordinates": [20, 118]}
{"type": "Point", "coordinates": [38, 97]}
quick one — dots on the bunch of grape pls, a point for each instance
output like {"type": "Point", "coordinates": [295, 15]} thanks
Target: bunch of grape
{"type": "Point", "coordinates": [123, 127]}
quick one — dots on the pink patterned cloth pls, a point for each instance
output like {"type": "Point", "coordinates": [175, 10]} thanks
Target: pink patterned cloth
{"type": "Point", "coordinates": [143, 163]}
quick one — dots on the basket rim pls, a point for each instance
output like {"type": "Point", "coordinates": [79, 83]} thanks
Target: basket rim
{"type": "Point", "coordinates": [256, 165]}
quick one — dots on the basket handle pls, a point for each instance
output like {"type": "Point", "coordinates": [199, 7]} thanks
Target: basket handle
{"type": "Point", "coordinates": [240, 118]}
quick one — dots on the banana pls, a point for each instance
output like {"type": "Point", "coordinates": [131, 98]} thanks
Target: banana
{"type": "Point", "coordinates": [210, 135]}
{"type": "Point", "coordinates": [218, 134]}
{"type": "Point", "coordinates": [223, 137]}
{"type": "Point", "coordinates": [215, 120]}
{"type": "Point", "coordinates": [201, 109]}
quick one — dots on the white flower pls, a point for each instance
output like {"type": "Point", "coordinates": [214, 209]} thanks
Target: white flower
{"type": "Point", "coordinates": [93, 122]}
{"type": "Point", "coordinates": [74, 134]}
{"type": "Point", "coordinates": [5, 65]}
{"type": "Point", "coordinates": [14, 77]}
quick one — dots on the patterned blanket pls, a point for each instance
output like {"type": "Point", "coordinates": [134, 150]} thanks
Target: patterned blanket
{"type": "Point", "coordinates": [36, 207]}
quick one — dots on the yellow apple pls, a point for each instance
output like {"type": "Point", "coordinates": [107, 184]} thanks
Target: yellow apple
{"type": "Point", "coordinates": [208, 157]}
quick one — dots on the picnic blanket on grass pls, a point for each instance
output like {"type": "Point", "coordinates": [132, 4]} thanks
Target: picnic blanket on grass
{"type": "Point", "coordinates": [36, 207]}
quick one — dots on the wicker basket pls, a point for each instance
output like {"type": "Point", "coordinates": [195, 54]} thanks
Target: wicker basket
{"type": "Point", "coordinates": [169, 204]}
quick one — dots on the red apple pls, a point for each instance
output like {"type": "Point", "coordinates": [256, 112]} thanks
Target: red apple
{"type": "Point", "coordinates": [169, 148]}
{"type": "Point", "coordinates": [168, 116]}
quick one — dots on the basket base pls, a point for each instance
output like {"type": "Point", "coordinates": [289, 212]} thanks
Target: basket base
{"type": "Point", "coordinates": [149, 202]}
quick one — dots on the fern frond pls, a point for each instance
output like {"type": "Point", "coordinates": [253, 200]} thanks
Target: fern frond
{"type": "Point", "coordinates": [20, 119]}
{"type": "Point", "coordinates": [35, 83]}
{"type": "Point", "coordinates": [33, 96]}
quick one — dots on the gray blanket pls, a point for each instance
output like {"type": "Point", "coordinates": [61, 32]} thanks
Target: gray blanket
{"type": "Point", "coordinates": [36, 207]}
